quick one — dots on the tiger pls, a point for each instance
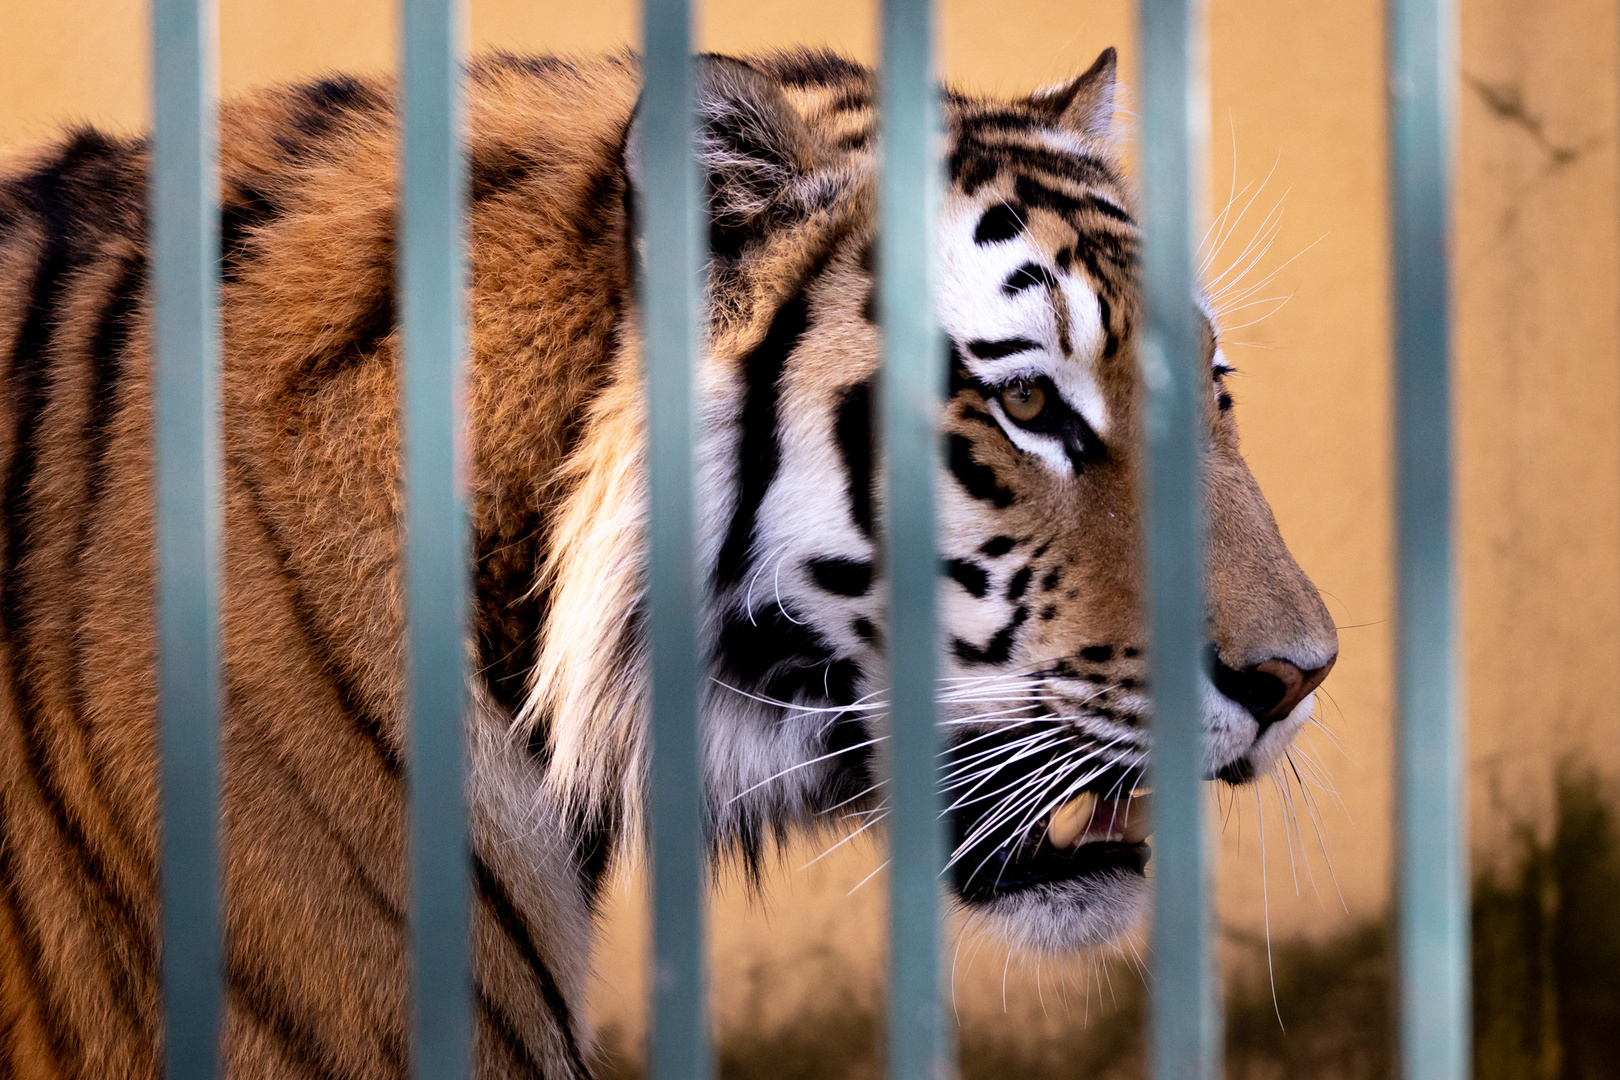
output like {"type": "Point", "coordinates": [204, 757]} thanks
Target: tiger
{"type": "Point", "coordinates": [1043, 698]}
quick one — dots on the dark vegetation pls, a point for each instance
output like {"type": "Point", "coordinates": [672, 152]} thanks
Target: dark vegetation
{"type": "Point", "coordinates": [1546, 954]}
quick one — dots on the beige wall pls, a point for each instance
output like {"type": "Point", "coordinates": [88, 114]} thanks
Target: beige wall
{"type": "Point", "coordinates": [1298, 107]}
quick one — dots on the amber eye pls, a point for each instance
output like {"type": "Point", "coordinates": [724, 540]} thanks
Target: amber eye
{"type": "Point", "coordinates": [1023, 400]}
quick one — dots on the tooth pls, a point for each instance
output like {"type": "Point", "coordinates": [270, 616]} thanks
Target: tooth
{"type": "Point", "coordinates": [1069, 820]}
{"type": "Point", "coordinates": [1138, 819]}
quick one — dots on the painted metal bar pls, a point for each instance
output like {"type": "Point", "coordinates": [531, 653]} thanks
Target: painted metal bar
{"type": "Point", "coordinates": [432, 280]}
{"type": "Point", "coordinates": [1433, 935]}
{"type": "Point", "coordinates": [1185, 1036]}
{"type": "Point", "coordinates": [185, 276]}
{"type": "Point", "coordinates": [913, 383]}
{"type": "Point", "coordinates": [672, 307]}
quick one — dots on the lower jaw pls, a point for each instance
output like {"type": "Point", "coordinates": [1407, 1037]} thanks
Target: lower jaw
{"type": "Point", "coordinates": [1062, 918]}
{"type": "Point", "coordinates": [1002, 875]}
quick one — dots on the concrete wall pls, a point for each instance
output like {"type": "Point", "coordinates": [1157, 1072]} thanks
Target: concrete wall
{"type": "Point", "coordinates": [1298, 125]}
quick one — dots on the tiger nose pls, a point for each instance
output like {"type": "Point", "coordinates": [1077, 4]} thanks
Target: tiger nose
{"type": "Point", "coordinates": [1271, 689]}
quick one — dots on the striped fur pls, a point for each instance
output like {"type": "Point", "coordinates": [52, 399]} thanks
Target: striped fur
{"type": "Point", "coordinates": [1039, 535]}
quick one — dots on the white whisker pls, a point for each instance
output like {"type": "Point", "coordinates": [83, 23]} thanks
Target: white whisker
{"type": "Point", "coordinates": [882, 866]}
{"type": "Point", "coordinates": [1265, 902]}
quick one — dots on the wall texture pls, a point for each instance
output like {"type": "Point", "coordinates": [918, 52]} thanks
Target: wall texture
{"type": "Point", "coordinates": [1298, 157]}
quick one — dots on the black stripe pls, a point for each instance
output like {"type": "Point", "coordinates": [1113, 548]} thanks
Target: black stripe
{"type": "Point", "coordinates": [977, 480]}
{"type": "Point", "coordinates": [998, 649]}
{"type": "Point", "coordinates": [368, 887]}
{"type": "Point", "coordinates": [1106, 312]}
{"type": "Point", "coordinates": [107, 348]}
{"type": "Point", "coordinates": [8, 1024]}
{"type": "Point", "coordinates": [1032, 192]}
{"type": "Point", "coordinates": [758, 451]}
{"type": "Point", "coordinates": [509, 611]}
{"type": "Point", "coordinates": [811, 67]}
{"type": "Point", "coordinates": [1027, 277]}
{"type": "Point", "coordinates": [319, 109]}
{"type": "Point", "coordinates": [300, 1044]}
{"type": "Point", "coordinates": [64, 1042]}
{"type": "Point", "coordinates": [593, 853]}
{"type": "Point", "coordinates": [851, 99]}
{"type": "Point", "coordinates": [106, 361]}
{"type": "Point", "coordinates": [246, 209]}
{"type": "Point", "coordinates": [1019, 582]}
{"type": "Point", "coordinates": [1075, 168]}
{"type": "Point", "coordinates": [970, 575]}
{"type": "Point", "coordinates": [853, 428]}
{"type": "Point", "coordinates": [506, 1032]}
{"type": "Point", "coordinates": [1000, 223]}
{"type": "Point", "coordinates": [997, 546]}
{"type": "Point", "coordinates": [322, 653]}
{"type": "Point", "coordinates": [599, 210]}
{"type": "Point", "coordinates": [1107, 255]}
{"type": "Point", "coordinates": [507, 917]}
{"type": "Point", "coordinates": [492, 64]}
{"type": "Point", "coordinates": [995, 350]}
{"type": "Point", "coordinates": [840, 576]}
{"type": "Point", "coordinates": [81, 193]}
{"type": "Point", "coordinates": [495, 170]}
{"type": "Point", "coordinates": [974, 163]}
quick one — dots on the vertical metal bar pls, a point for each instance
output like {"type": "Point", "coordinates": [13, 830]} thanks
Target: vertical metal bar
{"type": "Point", "coordinates": [913, 382]}
{"type": "Point", "coordinates": [1433, 940]}
{"type": "Point", "coordinates": [432, 278]}
{"type": "Point", "coordinates": [185, 257]}
{"type": "Point", "coordinates": [1185, 1036]}
{"type": "Point", "coordinates": [671, 297]}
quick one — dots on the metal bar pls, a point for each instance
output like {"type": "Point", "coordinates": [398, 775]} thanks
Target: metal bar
{"type": "Point", "coordinates": [1184, 1031]}
{"type": "Point", "coordinates": [1433, 941]}
{"type": "Point", "coordinates": [671, 297]}
{"type": "Point", "coordinates": [185, 265]}
{"type": "Point", "coordinates": [432, 279]}
{"type": "Point", "coordinates": [913, 383]}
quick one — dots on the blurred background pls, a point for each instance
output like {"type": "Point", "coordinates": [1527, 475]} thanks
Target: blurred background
{"type": "Point", "coordinates": [1298, 158]}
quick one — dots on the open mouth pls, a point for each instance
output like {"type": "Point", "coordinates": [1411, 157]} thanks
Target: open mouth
{"type": "Point", "coordinates": [1004, 845]}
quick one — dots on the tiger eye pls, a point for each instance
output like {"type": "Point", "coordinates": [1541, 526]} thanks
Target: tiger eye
{"type": "Point", "coordinates": [1023, 400]}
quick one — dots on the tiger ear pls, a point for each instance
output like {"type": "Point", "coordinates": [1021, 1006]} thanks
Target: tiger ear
{"type": "Point", "coordinates": [1084, 105]}
{"type": "Point", "coordinates": [754, 148]}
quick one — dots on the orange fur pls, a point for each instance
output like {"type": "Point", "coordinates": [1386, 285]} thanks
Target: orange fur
{"type": "Point", "coordinates": [313, 791]}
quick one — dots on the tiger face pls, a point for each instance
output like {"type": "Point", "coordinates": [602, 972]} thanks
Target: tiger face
{"type": "Point", "coordinates": [1043, 690]}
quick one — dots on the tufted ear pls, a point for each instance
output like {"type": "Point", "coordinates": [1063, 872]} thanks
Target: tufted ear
{"type": "Point", "coordinates": [755, 150]}
{"type": "Point", "coordinates": [1084, 105]}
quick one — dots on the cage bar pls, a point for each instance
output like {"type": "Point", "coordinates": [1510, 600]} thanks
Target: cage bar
{"type": "Point", "coordinates": [672, 313]}
{"type": "Point", "coordinates": [432, 280]}
{"type": "Point", "coordinates": [1185, 1044]}
{"type": "Point", "coordinates": [185, 279]}
{"type": "Point", "coordinates": [1433, 942]}
{"type": "Point", "coordinates": [912, 383]}
{"type": "Point", "coordinates": [1184, 1031]}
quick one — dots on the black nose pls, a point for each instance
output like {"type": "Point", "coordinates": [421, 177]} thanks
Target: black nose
{"type": "Point", "coordinates": [1270, 689]}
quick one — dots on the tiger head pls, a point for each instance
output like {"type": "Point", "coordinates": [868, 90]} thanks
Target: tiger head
{"type": "Point", "coordinates": [1043, 689]}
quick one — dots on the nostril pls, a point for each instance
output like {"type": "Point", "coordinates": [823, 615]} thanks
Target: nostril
{"type": "Point", "coordinates": [1257, 690]}
{"type": "Point", "coordinates": [1269, 690]}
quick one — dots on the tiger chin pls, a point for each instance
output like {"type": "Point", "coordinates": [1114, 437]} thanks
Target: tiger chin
{"type": "Point", "coordinates": [1043, 694]}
